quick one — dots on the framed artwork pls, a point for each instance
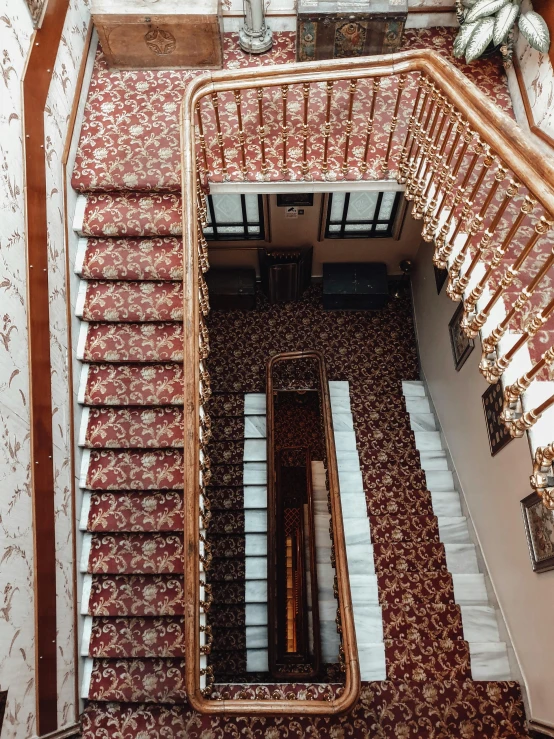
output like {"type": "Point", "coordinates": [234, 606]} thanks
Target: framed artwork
{"type": "Point", "coordinates": [440, 278]}
{"type": "Point", "coordinates": [3, 697]}
{"type": "Point", "coordinates": [539, 528]}
{"type": "Point", "coordinates": [493, 400]}
{"type": "Point", "coordinates": [296, 199]}
{"type": "Point", "coordinates": [462, 346]}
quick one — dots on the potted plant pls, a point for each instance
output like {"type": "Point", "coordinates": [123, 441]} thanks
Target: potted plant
{"type": "Point", "coordinates": [489, 24]}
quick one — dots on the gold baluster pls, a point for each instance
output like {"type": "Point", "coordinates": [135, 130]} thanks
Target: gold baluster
{"type": "Point", "coordinates": [517, 421]}
{"type": "Point", "coordinates": [543, 474]}
{"type": "Point", "coordinates": [238, 102]}
{"type": "Point", "coordinates": [456, 284]}
{"type": "Point", "coordinates": [410, 131]}
{"type": "Point", "coordinates": [352, 93]}
{"type": "Point", "coordinates": [201, 136]}
{"type": "Point", "coordinates": [215, 103]}
{"type": "Point", "coordinates": [394, 121]}
{"type": "Point", "coordinates": [305, 129]}
{"type": "Point", "coordinates": [420, 130]}
{"type": "Point", "coordinates": [426, 140]}
{"type": "Point", "coordinates": [261, 129]}
{"type": "Point", "coordinates": [327, 129]}
{"type": "Point", "coordinates": [431, 161]}
{"type": "Point", "coordinates": [369, 129]}
{"type": "Point", "coordinates": [284, 130]}
{"type": "Point", "coordinates": [510, 273]}
{"type": "Point", "coordinates": [437, 163]}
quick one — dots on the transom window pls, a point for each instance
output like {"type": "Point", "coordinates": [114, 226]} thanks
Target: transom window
{"type": "Point", "coordinates": [361, 215]}
{"type": "Point", "coordinates": [234, 217]}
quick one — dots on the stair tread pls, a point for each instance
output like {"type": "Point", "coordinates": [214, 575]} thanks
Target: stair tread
{"type": "Point", "coordinates": [133, 259]}
{"type": "Point", "coordinates": [117, 553]}
{"type": "Point", "coordinates": [134, 512]}
{"type": "Point", "coordinates": [133, 469]}
{"type": "Point", "coordinates": [136, 595]}
{"type": "Point", "coordinates": [132, 214]}
{"type": "Point", "coordinates": [133, 428]}
{"type": "Point", "coordinates": [137, 637]}
{"type": "Point", "coordinates": [131, 302]}
{"type": "Point", "coordinates": [138, 680]}
{"type": "Point", "coordinates": [132, 385]}
{"type": "Point", "coordinates": [133, 342]}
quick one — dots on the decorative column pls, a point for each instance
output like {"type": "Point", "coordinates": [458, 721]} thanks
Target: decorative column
{"type": "Point", "coordinates": [254, 36]}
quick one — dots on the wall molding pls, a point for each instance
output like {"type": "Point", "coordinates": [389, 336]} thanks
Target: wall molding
{"type": "Point", "coordinates": [35, 85]}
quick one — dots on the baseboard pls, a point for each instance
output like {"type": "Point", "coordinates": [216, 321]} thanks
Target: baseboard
{"type": "Point", "coordinates": [65, 733]}
{"type": "Point", "coordinates": [539, 731]}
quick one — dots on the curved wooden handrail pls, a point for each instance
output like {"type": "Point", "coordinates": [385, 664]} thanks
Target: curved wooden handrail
{"type": "Point", "coordinates": [483, 118]}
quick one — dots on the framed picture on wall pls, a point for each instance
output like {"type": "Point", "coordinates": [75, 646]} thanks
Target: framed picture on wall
{"type": "Point", "coordinates": [493, 401]}
{"type": "Point", "coordinates": [462, 346]}
{"type": "Point", "coordinates": [296, 199]}
{"type": "Point", "coordinates": [539, 528]}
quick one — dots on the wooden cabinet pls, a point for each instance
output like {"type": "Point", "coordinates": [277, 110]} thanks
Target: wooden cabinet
{"type": "Point", "coordinates": [330, 29]}
{"type": "Point", "coordinates": [137, 34]}
{"type": "Point", "coordinates": [355, 286]}
{"type": "Point", "coordinates": [232, 289]}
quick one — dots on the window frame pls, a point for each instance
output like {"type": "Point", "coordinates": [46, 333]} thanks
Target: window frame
{"type": "Point", "coordinates": [245, 235]}
{"type": "Point", "coordinates": [371, 232]}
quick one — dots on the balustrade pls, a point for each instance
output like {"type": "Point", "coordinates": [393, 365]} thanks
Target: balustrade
{"type": "Point", "coordinates": [484, 194]}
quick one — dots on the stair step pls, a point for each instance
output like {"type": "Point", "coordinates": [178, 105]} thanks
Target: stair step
{"type": "Point", "coordinates": [130, 259]}
{"type": "Point", "coordinates": [132, 512]}
{"type": "Point", "coordinates": [136, 637]}
{"type": "Point", "coordinates": [489, 661]}
{"type": "Point", "coordinates": [131, 385]}
{"type": "Point", "coordinates": [407, 556]}
{"type": "Point", "coordinates": [138, 681]}
{"type": "Point", "coordinates": [404, 528]}
{"type": "Point", "coordinates": [130, 214]}
{"type": "Point", "coordinates": [395, 502]}
{"type": "Point", "coordinates": [416, 621]}
{"type": "Point", "coordinates": [413, 388]}
{"type": "Point", "coordinates": [423, 422]}
{"type": "Point", "coordinates": [130, 302]}
{"type": "Point", "coordinates": [133, 595]}
{"type": "Point", "coordinates": [229, 640]}
{"type": "Point", "coordinates": [397, 588]}
{"type": "Point", "coordinates": [131, 342]}
{"type": "Point", "coordinates": [446, 504]}
{"type": "Point", "coordinates": [124, 554]}
{"type": "Point", "coordinates": [255, 404]}
{"type": "Point", "coordinates": [132, 470]}
{"type": "Point", "coordinates": [257, 660]}
{"type": "Point", "coordinates": [132, 428]}
{"type": "Point", "coordinates": [480, 624]}
{"type": "Point", "coordinates": [225, 452]}
{"type": "Point", "coordinates": [226, 404]}
{"type": "Point", "coordinates": [423, 659]}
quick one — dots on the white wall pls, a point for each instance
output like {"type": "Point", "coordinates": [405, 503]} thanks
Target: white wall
{"type": "Point", "coordinates": [492, 487]}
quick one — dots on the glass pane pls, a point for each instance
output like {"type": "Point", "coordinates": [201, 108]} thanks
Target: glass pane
{"type": "Point", "coordinates": [355, 227]}
{"type": "Point", "coordinates": [386, 206]}
{"type": "Point", "coordinates": [252, 210]}
{"type": "Point", "coordinates": [362, 206]}
{"type": "Point", "coordinates": [381, 227]}
{"type": "Point", "coordinates": [209, 216]}
{"type": "Point", "coordinates": [334, 228]}
{"type": "Point", "coordinates": [227, 208]}
{"type": "Point", "coordinates": [230, 229]}
{"type": "Point", "coordinates": [337, 205]}
{"type": "Point", "coordinates": [208, 230]}
{"type": "Point", "coordinates": [253, 229]}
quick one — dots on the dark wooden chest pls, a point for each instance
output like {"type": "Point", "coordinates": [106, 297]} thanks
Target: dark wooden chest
{"type": "Point", "coordinates": [232, 289]}
{"type": "Point", "coordinates": [355, 286]}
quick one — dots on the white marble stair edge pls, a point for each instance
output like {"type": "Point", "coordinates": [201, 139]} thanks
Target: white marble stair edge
{"type": "Point", "coordinates": [488, 655]}
{"type": "Point", "coordinates": [255, 531]}
{"type": "Point", "coordinates": [359, 551]}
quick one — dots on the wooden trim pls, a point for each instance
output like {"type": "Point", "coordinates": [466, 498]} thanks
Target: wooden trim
{"type": "Point", "coordinates": [35, 86]}
{"type": "Point", "coordinates": [68, 733]}
{"type": "Point", "coordinates": [431, 9]}
{"type": "Point", "coordinates": [69, 316]}
{"type": "Point", "coordinates": [527, 105]}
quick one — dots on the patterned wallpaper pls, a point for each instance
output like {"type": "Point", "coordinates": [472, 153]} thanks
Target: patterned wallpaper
{"type": "Point", "coordinates": [37, 8]}
{"type": "Point", "coordinates": [17, 651]}
{"type": "Point", "coordinates": [538, 76]}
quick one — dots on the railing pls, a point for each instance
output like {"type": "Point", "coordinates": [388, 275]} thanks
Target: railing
{"type": "Point", "coordinates": [484, 193]}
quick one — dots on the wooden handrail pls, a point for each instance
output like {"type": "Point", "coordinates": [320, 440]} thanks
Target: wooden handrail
{"type": "Point", "coordinates": [483, 122]}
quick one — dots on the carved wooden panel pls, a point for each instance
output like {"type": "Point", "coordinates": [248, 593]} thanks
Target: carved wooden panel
{"type": "Point", "coordinates": [160, 41]}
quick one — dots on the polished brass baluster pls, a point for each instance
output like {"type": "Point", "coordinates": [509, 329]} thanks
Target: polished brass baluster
{"type": "Point", "coordinates": [203, 296]}
{"type": "Point", "coordinates": [517, 422]}
{"type": "Point", "coordinates": [305, 130]}
{"type": "Point", "coordinates": [542, 475]}
{"type": "Point", "coordinates": [422, 81]}
{"type": "Point", "coordinates": [201, 136]}
{"type": "Point", "coordinates": [420, 130]}
{"type": "Point", "coordinates": [493, 367]}
{"type": "Point", "coordinates": [462, 224]}
{"type": "Point", "coordinates": [456, 285]}
{"type": "Point", "coordinates": [437, 157]}
{"type": "Point", "coordinates": [510, 273]}
{"type": "Point", "coordinates": [284, 130]}
{"type": "Point", "coordinates": [432, 215]}
{"type": "Point", "coordinates": [238, 102]}
{"type": "Point", "coordinates": [394, 121]}
{"type": "Point", "coordinates": [484, 244]}
{"type": "Point", "coordinates": [261, 129]}
{"type": "Point", "coordinates": [215, 103]}
{"type": "Point", "coordinates": [327, 128]}
{"type": "Point", "coordinates": [440, 240]}
{"type": "Point", "coordinates": [369, 129]}
{"type": "Point", "coordinates": [426, 141]}
{"type": "Point", "coordinates": [352, 91]}
{"type": "Point", "coordinates": [431, 160]}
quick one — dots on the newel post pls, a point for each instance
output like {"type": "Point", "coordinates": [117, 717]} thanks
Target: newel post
{"type": "Point", "coordinates": [254, 36]}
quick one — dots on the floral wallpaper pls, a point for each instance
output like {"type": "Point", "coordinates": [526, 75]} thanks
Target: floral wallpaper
{"type": "Point", "coordinates": [36, 8]}
{"type": "Point", "coordinates": [17, 622]}
{"type": "Point", "coordinates": [538, 77]}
